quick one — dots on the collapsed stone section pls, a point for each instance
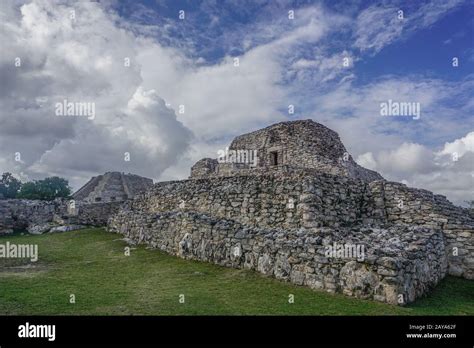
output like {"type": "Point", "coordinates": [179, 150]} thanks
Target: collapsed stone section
{"type": "Point", "coordinates": [295, 144]}
{"type": "Point", "coordinates": [19, 214]}
{"type": "Point", "coordinates": [400, 263]}
{"type": "Point", "coordinates": [38, 217]}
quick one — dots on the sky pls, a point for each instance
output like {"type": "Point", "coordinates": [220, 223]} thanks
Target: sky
{"type": "Point", "coordinates": [172, 82]}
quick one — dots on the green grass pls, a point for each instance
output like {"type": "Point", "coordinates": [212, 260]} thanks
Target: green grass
{"type": "Point", "coordinates": [91, 265]}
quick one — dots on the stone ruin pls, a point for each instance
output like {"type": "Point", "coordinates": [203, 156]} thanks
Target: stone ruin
{"type": "Point", "coordinates": [288, 201]}
{"type": "Point", "coordinates": [283, 147]}
{"type": "Point", "coordinates": [112, 187]}
{"type": "Point", "coordinates": [91, 205]}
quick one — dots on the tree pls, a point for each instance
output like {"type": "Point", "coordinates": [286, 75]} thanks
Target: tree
{"type": "Point", "coordinates": [46, 189]}
{"type": "Point", "coordinates": [54, 187]}
{"type": "Point", "coordinates": [29, 190]}
{"type": "Point", "coordinates": [9, 186]}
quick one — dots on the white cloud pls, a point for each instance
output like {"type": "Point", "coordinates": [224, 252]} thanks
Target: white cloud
{"type": "Point", "coordinates": [437, 171]}
{"type": "Point", "coordinates": [353, 110]}
{"type": "Point", "coordinates": [323, 68]}
{"type": "Point", "coordinates": [81, 60]}
{"type": "Point", "coordinates": [222, 99]}
{"type": "Point", "coordinates": [145, 139]}
{"type": "Point", "coordinates": [367, 160]}
{"type": "Point", "coordinates": [218, 100]}
{"type": "Point", "coordinates": [378, 26]}
{"type": "Point", "coordinates": [459, 146]}
{"type": "Point", "coordinates": [403, 161]}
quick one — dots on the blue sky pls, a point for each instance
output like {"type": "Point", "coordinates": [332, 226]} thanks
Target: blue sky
{"type": "Point", "coordinates": [451, 34]}
{"type": "Point", "coordinates": [282, 62]}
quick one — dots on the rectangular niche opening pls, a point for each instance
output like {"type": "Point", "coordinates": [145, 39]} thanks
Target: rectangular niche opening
{"type": "Point", "coordinates": [274, 158]}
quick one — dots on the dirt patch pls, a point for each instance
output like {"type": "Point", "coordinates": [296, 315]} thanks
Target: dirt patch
{"type": "Point", "coordinates": [25, 270]}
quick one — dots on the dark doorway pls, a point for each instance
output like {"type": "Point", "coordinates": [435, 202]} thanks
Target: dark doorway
{"type": "Point", "coordinates": [274, 158]}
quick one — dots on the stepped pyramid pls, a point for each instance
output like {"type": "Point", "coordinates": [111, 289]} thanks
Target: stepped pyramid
{"type": "Point", "coordinates": [111, 187]}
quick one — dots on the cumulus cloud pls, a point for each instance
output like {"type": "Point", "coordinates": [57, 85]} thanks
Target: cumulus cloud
{"type": "Point", "coordinates": [77, 53]}
{"type": "Point", "coordinates": [403, 161]}
{"type": "Point", "coordinates": [242, 92]}
{"type": "Point", "coordinates": [459, 147]}
{"type": "Point", "coordinates": [448, 171]}
{"type": "Point", "coordinates": [145, 139]}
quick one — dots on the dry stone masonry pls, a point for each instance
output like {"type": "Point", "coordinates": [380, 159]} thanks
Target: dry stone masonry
{"type": "Point", "coordinates": [21, 214]}
{"type": "Point", "coordinates": [400, 263]}
{"type": "Point", "coordinates": [38, 217]}
{"type": "Point", "coordinates": [297, 144]}
{"type": "Point", "coordinates": [305, 212]}
{"type": "Point", "coordinates": [287, 201]}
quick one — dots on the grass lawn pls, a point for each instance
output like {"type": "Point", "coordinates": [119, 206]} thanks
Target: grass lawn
{"type": "Point", "coordinates": [91, 265]}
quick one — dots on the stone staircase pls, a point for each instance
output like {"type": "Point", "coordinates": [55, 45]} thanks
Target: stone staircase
{"type": "Point", "coordinates": [109, 189]}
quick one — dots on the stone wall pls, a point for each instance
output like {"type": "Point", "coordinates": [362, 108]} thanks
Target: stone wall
{"type": "Point", "coordinates": [93, 214]}
{"type": "Point", "coordinates": [416, 228]}
{"type": "Point", "coordinates": [398, 204]}
{"type": "Point", "coordinates": [204, 167]}
{"type": "Point", "coordinates": [399, 264]}
{"type": "Point", "coordinates": [287, 201]}
{"type": "Point", "coordinates": [23, 214]}
{"type": "Point", "coordinates": [18, 214]}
